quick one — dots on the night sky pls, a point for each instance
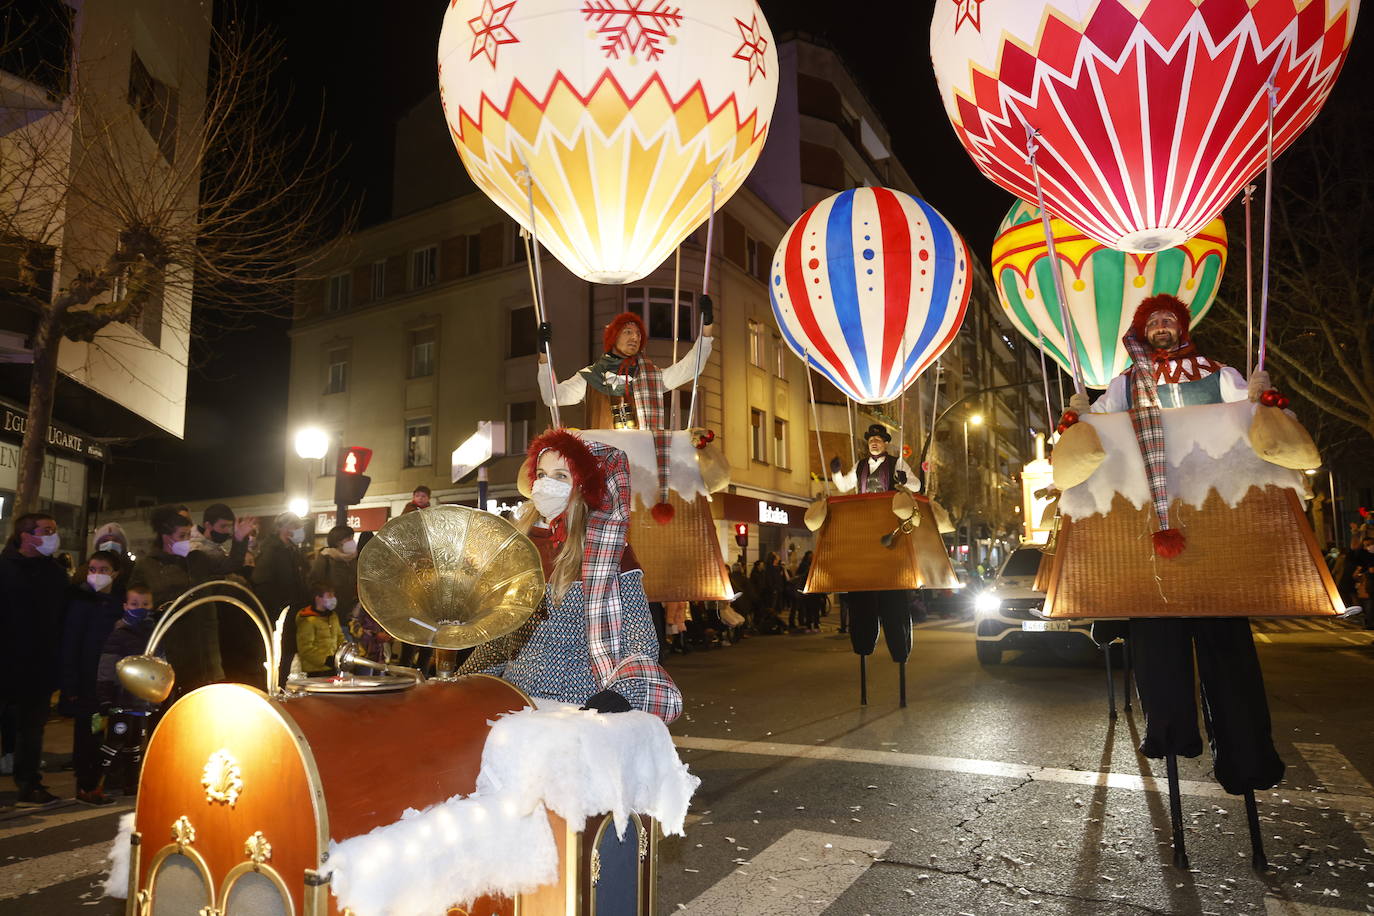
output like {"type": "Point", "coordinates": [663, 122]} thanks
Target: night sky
{"type": "Point", "coordinates": [362, 63]}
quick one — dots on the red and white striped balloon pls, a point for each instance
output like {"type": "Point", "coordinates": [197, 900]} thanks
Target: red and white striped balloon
{"type": "Point", "coordinates": [869, 287]}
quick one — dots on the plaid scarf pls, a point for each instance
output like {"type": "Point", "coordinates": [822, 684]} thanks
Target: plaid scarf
{"type": "Point", "coordinates": [646, 385]}
{"type": "Point", "coordinates": [607, 530]}
{"type": "Point", "coordinates": [1149, 434]}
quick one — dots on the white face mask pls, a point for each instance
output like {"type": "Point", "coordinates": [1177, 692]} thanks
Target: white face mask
{"type": "Point", "coordinates": [550, 496]}
{"type": "Point", "coordinates": [48, 544]}
{"type": "Point", "coordinates": [329, 603]}
{"type": "Point", "coordinates": [111, 546]}
{"type": "Point", "coordinates": [348, 548]}
{"type": "Point", "coordinates": [99, 581]}
{"type": "Point", "coordinates": [181, 548]}
{"type": "Point", "coordinates": [297, 535]}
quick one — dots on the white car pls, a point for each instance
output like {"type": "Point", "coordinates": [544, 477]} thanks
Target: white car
{"type": "Point", "coordinates": [1005, 618]}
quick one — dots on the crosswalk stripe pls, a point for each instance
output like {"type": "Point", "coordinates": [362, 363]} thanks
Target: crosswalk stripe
{"type": "Point", "coordinates": [1338, 774]}
{"type": "Point", "coordinates": [46, 820]}
{"type": "Point", "coordinates": [1273, 906]}
{"type": "Point", "coordinates": [801, 874]}
{"type": "Point", "coordinates": [35, 874]}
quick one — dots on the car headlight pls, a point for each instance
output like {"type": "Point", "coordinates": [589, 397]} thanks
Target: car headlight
{"type": "Point", "coordinates": [986, 604]}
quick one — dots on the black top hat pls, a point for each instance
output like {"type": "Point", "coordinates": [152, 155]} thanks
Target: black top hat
{"type": "Point", "coordinates": [878, 429]}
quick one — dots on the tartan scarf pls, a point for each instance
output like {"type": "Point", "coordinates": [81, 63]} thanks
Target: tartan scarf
{"type": "Point", "coordinates": [1149, 434]}
{"type": "Point", "coordinates": [607, 530]}
{"type": "Point", "coordinates": [646, 385]}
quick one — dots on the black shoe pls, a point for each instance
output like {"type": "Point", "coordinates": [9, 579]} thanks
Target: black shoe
{"type": "Point", "coordinates": [95, 798]}
{"type": "Point", "coordinates": [37, 797]}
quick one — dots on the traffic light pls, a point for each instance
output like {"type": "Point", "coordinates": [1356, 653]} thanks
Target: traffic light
{"type": "Point", "coordinates": [742, 534]}
{"type": "Point", "coordinates": [350, 483]}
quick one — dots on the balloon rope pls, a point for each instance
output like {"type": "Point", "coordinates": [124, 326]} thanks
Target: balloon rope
{"type": "Point", "coordinates": [1272, 92]}
{"type": "Point", "coordinates": [1070, 342]}
{"type": "Point", "coordinates": [816, 422]}
{"type": "Point", "coordinates": [705, 291]}
{"type": "Point", "coordinates": [676, 413]}
{"type": "Point", "coordinates": [901, 409]}
{"type": "Point", "coordinates": [1045, 380]}
{"type": "Point", "coordinates": [1249, 289]}
{"type": "Point", "coordinates": [537, 292]}
{"type": "Point", "coordinates": [853, 443]}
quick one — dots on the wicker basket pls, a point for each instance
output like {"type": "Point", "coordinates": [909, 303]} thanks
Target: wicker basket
{"type": "Point", "coordinates": [681, 559]}
{"type": "Point", "coordinates": [850, 556]}
{"type": "Point", "coordinates": [1259, 559]}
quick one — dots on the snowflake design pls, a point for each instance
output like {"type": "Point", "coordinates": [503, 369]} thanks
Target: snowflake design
{"type": "Point", "coordinates": [753, 48]}
{"type": "Point", "coordinates": [489, 30]}
{"type": "Point", "coordinates": [628, 28]}
{"type": "Point", "coordinates": [970, 11]}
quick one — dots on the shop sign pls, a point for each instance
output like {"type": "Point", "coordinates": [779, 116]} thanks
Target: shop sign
{"type": "Point", "coordinates": [358, 519]}
{"type": "Point", "coordinates": [63, 481]}
{"type": "Point", "coordinates": [498, 507]}
{"type": "Point", "coordinates": [771, 515]}
{"type": "Point", "coordinates": [17, 421]}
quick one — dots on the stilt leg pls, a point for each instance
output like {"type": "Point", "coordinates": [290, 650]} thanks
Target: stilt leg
{"type": "Point", "coordinates": [1111, 681]}
{"type": "Point", "coordinates": [901, 683]}
{"type": "Point", "coordinates": [1126, 684]}
{"type": "Point", "coordinates": [1176, 812]}
{"type": "Point", "coordinates": [863, 680]}
{"type": "Point", "coordinates": [1257, 857]}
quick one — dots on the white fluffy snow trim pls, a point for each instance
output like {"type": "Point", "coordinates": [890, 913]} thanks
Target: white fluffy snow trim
{"type": "Point", "coordinates": [446, 855]}
{"type": "Point", "coordinates": [684, 477]}
{"type": "Point", "coordinates": [117, 881]}
{"type": "Point", "coordinates": [1207, 447]}
{"type": "Point", "coordinates": [581, 764]}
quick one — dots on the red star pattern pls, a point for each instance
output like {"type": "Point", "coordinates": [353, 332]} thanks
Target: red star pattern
{"type": "Point", "coordinates": [970, 11]}
{"type": "Point", "coordinates": [489, 30]}
{"type": "Point", "coordinates": [753, 48]}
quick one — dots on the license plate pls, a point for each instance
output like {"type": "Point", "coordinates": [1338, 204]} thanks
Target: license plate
{"type": "Point", "coordinates": [1041, 626]}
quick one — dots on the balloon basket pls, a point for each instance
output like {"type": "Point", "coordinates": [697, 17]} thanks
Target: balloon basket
{"type": "Point", "coordinates": [850, 556]}
{"type": "Point", "coordinates": [1259, 559]}
{"type": "Point", "coordinates": [681, 559]}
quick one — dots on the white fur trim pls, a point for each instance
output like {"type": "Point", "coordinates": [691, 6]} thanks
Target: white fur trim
{"type": "Point", "coordinates": [684, 477]}
{"type": "Point", "coordinates": [117, 881]}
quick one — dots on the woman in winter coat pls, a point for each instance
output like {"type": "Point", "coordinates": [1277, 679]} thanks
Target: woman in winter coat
{"type": "Point", "coordinates": [192, 644]}
{"type": "Point", "coordinates": [337, 565]}
{"type": "Point", "coordinates": [279, 579]}
{"type": "Point", "coordinates": [93, 609]}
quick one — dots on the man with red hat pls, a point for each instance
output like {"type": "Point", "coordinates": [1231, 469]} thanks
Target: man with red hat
{"type": "Point", "coordinates": [1167, 372]}
{"type": "Point", "coordinates": [624, 389]}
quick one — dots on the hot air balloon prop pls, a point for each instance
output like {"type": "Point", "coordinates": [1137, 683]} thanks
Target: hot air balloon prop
{"type": "Point", "coordinates": [1151, 116]}
{"type": "Point", "coordinates": [869, 287]}
{"type": "Point", "coordinates": [1103, 286]}
{"type": "Point", "coordinates": [609, 127]}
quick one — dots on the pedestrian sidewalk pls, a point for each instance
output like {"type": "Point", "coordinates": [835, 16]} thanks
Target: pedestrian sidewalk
{"type": "Point", "coordinates": [57, 773]}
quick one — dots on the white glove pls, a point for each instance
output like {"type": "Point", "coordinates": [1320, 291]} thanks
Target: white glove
{"type": "Point", "coordinates": [1258, 384]}
{"type": "Point", "coordinates": [1079, 402]}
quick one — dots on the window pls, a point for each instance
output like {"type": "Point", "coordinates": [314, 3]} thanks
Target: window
{"type": "Point", "coordinates": [655, 305]}
{"type": "Point", "coordinates": [337, 377]}
{"type": "Point", "coordinates": [340, 293]}
{"type": "Point", "coordinates": [474, 264]}
{"type": "Point", "coordinates": [780, 455]}
{"type": "Point", "coordinates": [519, 424]}
{"type": "Point", "coordinates": [524, 332]}
{"type": "Point", "coordinates": [424, 266]}
{"type": "Point", "coordinates": [756, 344]}
{"type": "Point", "coordinates": [780, 357]}
{"type": "Point", "coordinates": [155, 103]}
{"type": "Point", "coordinates": [422, 346]}
{"type": "Point", "coordinates": [377, 278]}
{"type": "Point", "coordinates": [419, 443]}
{"type": "Point", "coordinates": [759, 439]}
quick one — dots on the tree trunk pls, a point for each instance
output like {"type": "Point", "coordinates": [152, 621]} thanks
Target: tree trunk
{"type": "Point", "coordinates": [47, 339]}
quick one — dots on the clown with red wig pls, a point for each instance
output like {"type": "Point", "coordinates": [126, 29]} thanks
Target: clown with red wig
{"type": "Point", "coordinates": [592, 641]}
{"type": "Point", "coordinates": [624, 388]}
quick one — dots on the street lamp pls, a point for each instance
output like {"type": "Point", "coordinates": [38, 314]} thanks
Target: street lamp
{"type": "Point", "coordinates": [975, 419]}
{"type": "Point", "coordinates": [312, 444]}
{"type": "Point", "coordinates": [299, 507]}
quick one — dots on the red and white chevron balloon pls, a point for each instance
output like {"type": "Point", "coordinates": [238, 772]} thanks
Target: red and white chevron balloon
{"type": "Point", "coordinates": [1151, 113]}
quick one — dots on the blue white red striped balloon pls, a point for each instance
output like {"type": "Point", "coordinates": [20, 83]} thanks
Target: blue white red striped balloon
{"type": "Point", "coordinates": [869, 287]}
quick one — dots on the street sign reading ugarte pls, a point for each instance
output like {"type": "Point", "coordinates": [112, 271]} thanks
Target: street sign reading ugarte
{"type": "Point", "coordinates": [16, 422]}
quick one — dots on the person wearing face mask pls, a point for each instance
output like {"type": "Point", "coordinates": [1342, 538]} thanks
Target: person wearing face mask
{"type": "Point", "coordinates": [110, 538]}
{"type": "Point", "coordinates": [33, 590]}
{"type": "Point", "coordinates": [95, 605]}
{"type": "Point", "coordinates": [279, 578]}
{"type": "Point", "coordinates": [228, 644]}
{"type": "Point", "coordinates": [337, 564]}
{"type": "Point", "coordinates": [592, 640]}
{"type": "Point", "coordinates": [318, 632]}
{"type": "Point", "coordinates": [122, 720]}
{"type": "Point", "coordinates": [192, 645]}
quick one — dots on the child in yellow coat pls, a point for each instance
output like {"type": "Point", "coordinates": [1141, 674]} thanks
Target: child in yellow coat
{"type": "Point", "coordinates": [318, 633]}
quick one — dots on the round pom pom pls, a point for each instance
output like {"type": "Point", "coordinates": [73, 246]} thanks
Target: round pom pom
{"type": "Point", "coordinates": [1281, 403]}
{"type": "Point", "coordinates": [1071, 416]}
{"type": "Point", "coordinates": [1169, 542]}
{"type": "Point", "coordinates": [662, 513]}
{"type": "Point", "coordinates": [1269, 398]}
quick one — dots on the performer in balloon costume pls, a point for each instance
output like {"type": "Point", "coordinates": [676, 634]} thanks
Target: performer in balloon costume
{"type": "Point", "coordinates": [592, 642]}
{"type": "Point", "coordinates": [880, 472]}
{"type": "Point", "coordinates": [1168, 372]}
{"type": "Point", "coordinates": [624, 388]}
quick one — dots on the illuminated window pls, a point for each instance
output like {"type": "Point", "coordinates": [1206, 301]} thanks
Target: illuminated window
{"type": "Point", "coordinates": [780, 454]}
{"type": "Point", "coordinates": [757, 344]}
{"type": "Point", "coordinates": [419, 443]}
{"type": "Point", "coordinates": [759, 436]}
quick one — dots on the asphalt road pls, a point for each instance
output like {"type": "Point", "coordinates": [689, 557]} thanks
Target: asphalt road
{"type": "Point", "coordinates": [996, 790]}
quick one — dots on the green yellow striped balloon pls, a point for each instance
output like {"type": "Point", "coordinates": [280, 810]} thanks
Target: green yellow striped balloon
{"type": "Point", "coordinates": [1103, 286]}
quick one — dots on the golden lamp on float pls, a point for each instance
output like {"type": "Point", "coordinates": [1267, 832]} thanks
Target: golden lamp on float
{"type": "Point", "coordinates": [321, 796]}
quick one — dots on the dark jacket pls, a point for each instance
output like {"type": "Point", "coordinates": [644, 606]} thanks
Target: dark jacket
{"type": "Point", "coordinates": [279, 580]}
{"type": "Point", "coordinates": [91, 615]}
{"type": "Point", "coordinates": [33, 591]}
{"type": "Point", "coordinates": [165, 574]}
{"type": "Point", "coordinates": [340, 572]}
{"type": "Point", "coordinates": [122, 642]}
{"type": "Point", "coordinates": [192, 643]}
